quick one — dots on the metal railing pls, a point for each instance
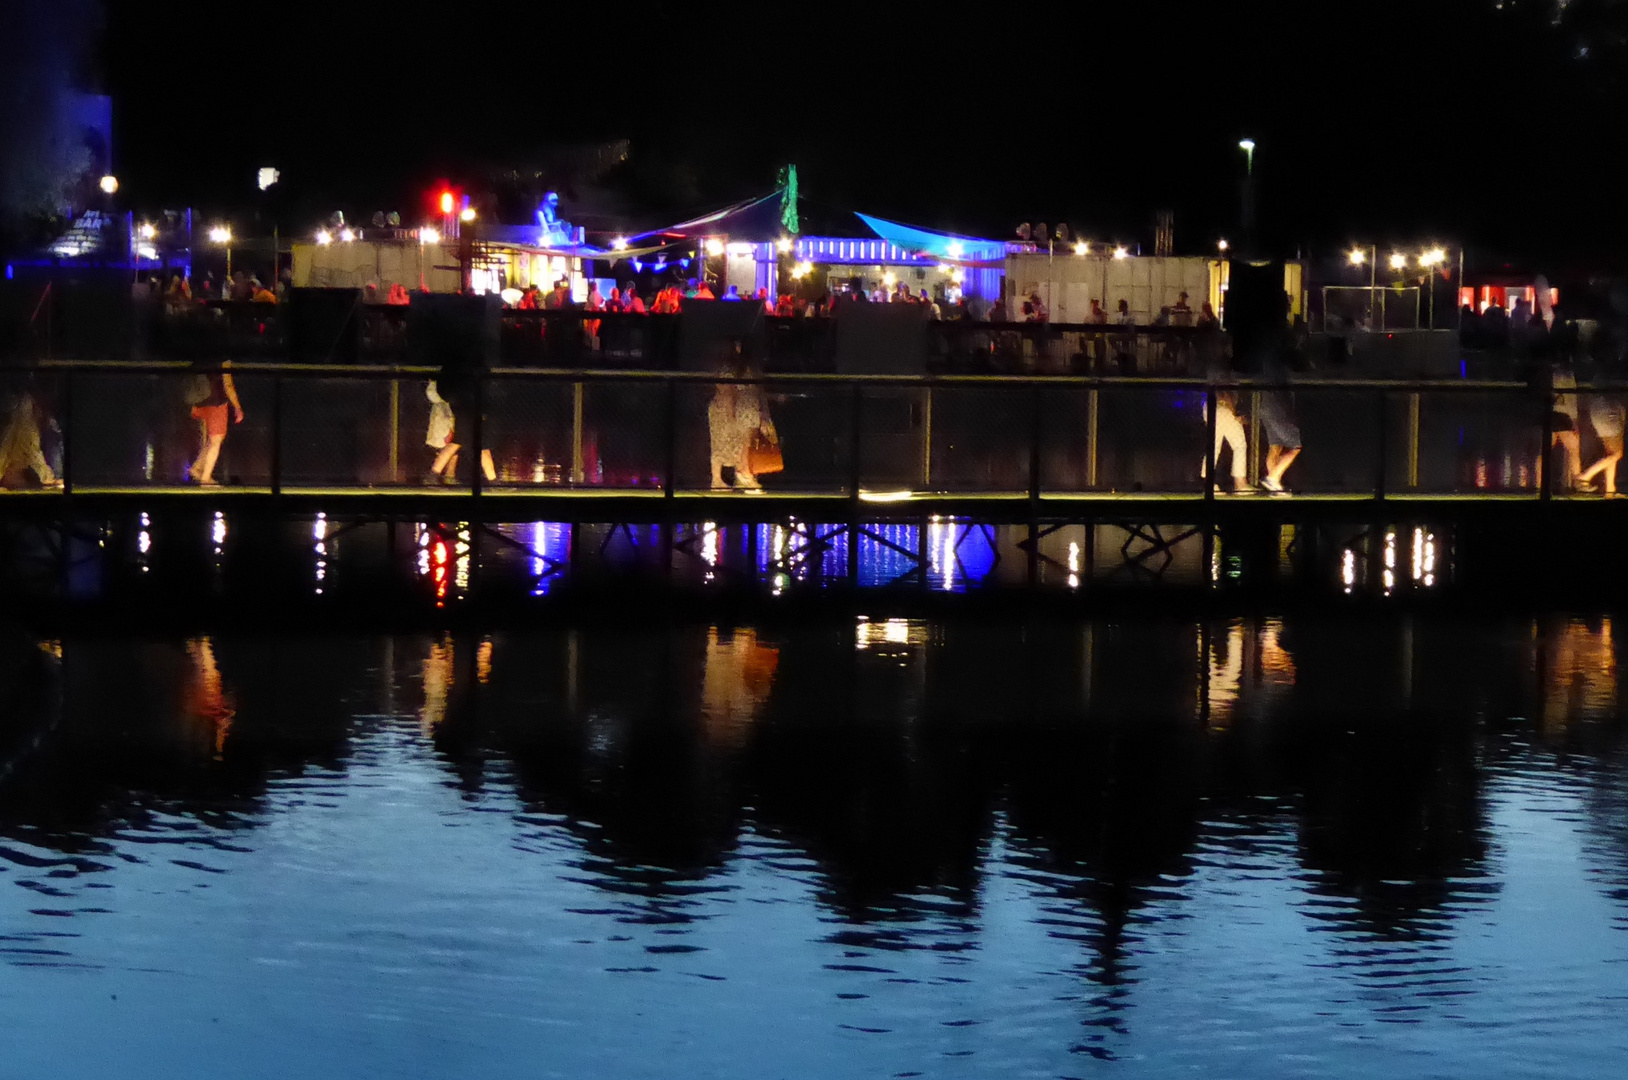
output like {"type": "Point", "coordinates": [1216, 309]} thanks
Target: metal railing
{"type": "Point", "coordinates": [340, 329]}
{"type": "Point", "coordinates": [128, 427]}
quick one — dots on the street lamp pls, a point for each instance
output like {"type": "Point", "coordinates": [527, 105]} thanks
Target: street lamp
{"type": "Point", "coordinates": [1428, 261]}
{"type": "Point", "coordinates": [222, 235]}
{"type": "Point", "coordinates": [1399, 261]}
{"type": "Point", "coordinates": [109, 185]}
{"type": "Point", "coordinates": [1360, 256]}
{"type": "Point", "coordinates": [1248, 147]}
{"type": "Point", "coordinates": [1221, 245]}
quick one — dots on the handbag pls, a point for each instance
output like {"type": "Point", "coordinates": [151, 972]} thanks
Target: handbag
{"type": "Point", "coordinates": [763, 455]}
{"type": "Point", "coordinates": [196, 390]}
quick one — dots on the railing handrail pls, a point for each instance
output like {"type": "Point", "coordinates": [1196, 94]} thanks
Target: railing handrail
{"type": "Point", "coordinates": [990, 381]}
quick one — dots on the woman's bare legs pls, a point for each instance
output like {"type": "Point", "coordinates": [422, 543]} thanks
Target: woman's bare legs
{"type": "Point", "coordinates": [1607, 465]}
{"type": "Point", "coordinates": [203, 470]}
{"type": "Point", "coordinates": [446, 459]}
{"type": "Point", "coordinates": [1278, 460]}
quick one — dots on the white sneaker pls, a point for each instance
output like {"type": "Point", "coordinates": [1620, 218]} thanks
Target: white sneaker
{"type": "Point", "coordinates": [1271, 485]}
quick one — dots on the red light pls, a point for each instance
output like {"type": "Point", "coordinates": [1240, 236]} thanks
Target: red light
{"type": "Point", "coordinates": [446, 202]}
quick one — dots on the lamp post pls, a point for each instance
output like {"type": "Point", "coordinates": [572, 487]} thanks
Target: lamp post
{"type": "Point", "coordinates": [1370, 255]}
{"type": "Point", "coordinates": [222, 235]}
{"type": "Point", "coordinates": [1248, 147]}
{"type": "Point", "coordinates": [1428, 261]}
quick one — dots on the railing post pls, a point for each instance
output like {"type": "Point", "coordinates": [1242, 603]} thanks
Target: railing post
{"type": "Point", "coordinates": [1383, 442]}
{"type": "Point", "coordinates": [395, 430]}
{"type": "Point", "coordinates": [1034, 489]}
{"type": "Point", "coordinates": [1255, 437]}
{"type": "Point", "coordinates": [927, 437]}
{"type": "Point", "coordinates": [477, 457]}
{"type": "Point", "coordinates": [669, 477]}
{"type": "Point", "coordinates": [856, 441]}
{"type": "Point", "coordinates": [576, 433]}
{"type": "Point", "coordinates": [1035, 406]}
{"type": "Point", "coordinates": [1091, 438]}
{"type": "Point", "coordinates": [1546, 450]}
{"type": "Point", "coordinates": [67, 433]}
{"type": "Point", "coordinates": [669, 481]}
{"type": "Point", "coordinates": [1413, 439]}
{"type": "Point", "coordinates": [1211, 458]}
{"type": "Point", "coordinates": [277, 434]}
{"type": "Point", "coordinates": [1211, 463]}
{"type": "Point", "coordinates": [856, 407]}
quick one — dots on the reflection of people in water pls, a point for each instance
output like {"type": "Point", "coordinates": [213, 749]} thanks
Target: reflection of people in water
{"type": "Point", "coordinates": [735, 683]}
{"type": "Point", "coordinates": [1272, 666]}
{"type": "Point", "coordinates": [206, 695]}
{"type": "Point", "coordinates": [438, 677]}
{"type": "Point", "coordinates": [1226, 668]}
{"type": "Point", "coordinates": [1580, 676]}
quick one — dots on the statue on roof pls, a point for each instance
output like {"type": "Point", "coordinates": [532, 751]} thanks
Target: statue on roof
{"type": "Point", "coordinates": [556, 230]}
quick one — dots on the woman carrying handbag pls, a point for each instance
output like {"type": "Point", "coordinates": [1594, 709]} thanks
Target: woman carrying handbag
{"type": "Point", "coordinates": [742, 432]}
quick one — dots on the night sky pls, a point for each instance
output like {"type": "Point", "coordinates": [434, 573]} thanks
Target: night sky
{"type": "Point", "coordinates": [1442, 119]}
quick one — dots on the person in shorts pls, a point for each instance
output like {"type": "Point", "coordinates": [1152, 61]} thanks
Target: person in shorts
{"type": "Point", "coordinates": [1282, 437]}
{"type": "Point", "coordinates": [211, 413]}
{"type": "Point", "coordinates": [1564, 430]}
{"type": "Point", "coordinates": [1605, 416]}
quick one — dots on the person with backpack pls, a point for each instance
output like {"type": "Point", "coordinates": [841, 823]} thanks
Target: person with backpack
{"type": "Point", "coordinates": [211, 394]}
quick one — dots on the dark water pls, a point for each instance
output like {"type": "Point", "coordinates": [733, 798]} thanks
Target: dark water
{"type": "Point", "coordinates": [1251, 848]}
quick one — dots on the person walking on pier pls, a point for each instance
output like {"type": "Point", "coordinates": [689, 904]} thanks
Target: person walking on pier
{"type": "Point", "coordinates": [1229, 433]}
{"type": "Point", "coordinates": [458, 390]}
{"type": "Point", "coordinates": [1606, 416]}
{"type": "Point", "coordinates": [211, 394]}
{"type": "Point", "coordinates": [1282, 437]}
{"type": "Point", "coordinates": [738, 416]}
{"type": "Point", "coordinates": [1229, 428]}
{"type": "Point", "coordinates": [1275, 407]}
{"type": "Point", "coordinates": [20, 439]}
{"type": "Point", "coordinates": [1564, 430]}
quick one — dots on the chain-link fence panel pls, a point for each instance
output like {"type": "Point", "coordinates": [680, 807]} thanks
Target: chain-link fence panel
{"type": "Point", "coordinates": [978, 439]}
{"type": "Point", "coordinates": [1467, 441]}
{"type": "Point", "coordinates": [624, 433]}
{"type": "Point", "coordinates": [1126, 438]}
{"type": "Point", "coordinates": [137, 429]}
{"type": "Point", "coordinates": [1327, 439]}
{"type": "Point", "coordinates": [342, 432]}
{"type": "Point", "coordinates": [717, 422]}
{"type": "Point", "coordinates": [534, 430]}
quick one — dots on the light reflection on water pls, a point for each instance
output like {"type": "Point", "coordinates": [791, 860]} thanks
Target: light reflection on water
{"type": "Point", "coordinates": [1255, 846]}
